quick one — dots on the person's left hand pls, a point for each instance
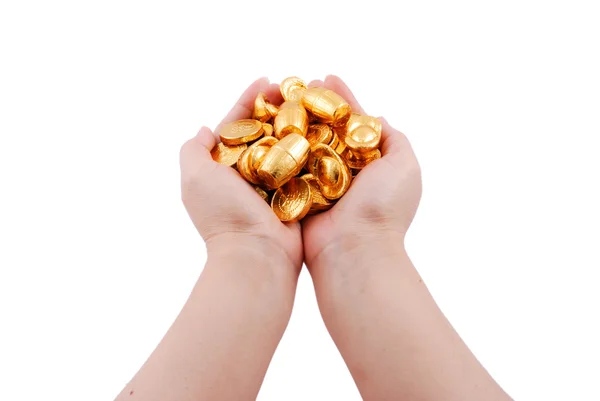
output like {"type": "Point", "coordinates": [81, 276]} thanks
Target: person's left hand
{"type": "Point", "coordinates": [225, 209]}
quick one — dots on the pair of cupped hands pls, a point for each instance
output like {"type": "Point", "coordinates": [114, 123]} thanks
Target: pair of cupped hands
{"type": "Point", "coordinates": [377, 209]}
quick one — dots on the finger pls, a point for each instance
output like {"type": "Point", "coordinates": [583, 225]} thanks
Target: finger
{"type": "Point", "coordinates": [316, 83]}
{"type": "Point", "coordinates": [274, 94]}
{"type": "Point", "coordinates": [243, 107]}
{"type": "Point", "coordinates": [195, 153]}
{"type": "Point", "coordinates": [336, 84]}
{"type": "Point", "coordinates": [394, 144]}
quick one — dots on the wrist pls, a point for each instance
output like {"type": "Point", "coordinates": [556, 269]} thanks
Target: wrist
{"type": "Point", "coordinates": [256, 260]}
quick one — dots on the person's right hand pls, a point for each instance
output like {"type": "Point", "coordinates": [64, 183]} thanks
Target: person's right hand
{"type": "Point", "coordinates": [375, 213]}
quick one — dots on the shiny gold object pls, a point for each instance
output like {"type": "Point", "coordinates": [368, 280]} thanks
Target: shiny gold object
{"type": "Point", "coordinates": [263, 110]}
{"type": "Point", "coordinates": [292, 201]}
{"type": "Point", "coordinates": [227, 155]}
{"type": "Point", "coordinates": [330, 169]}
{"type": "Point", "coordinates": [326, 105]}
{"type": "Point", "coordinates": [241, 131]}
{"type": "Point", "coordinates": [263, 194]}
{"type": "Point", "coordinates": [335, 141]}
{"type": "Point", "coordinates": [319, 133]}
{"type": "Point", "coordinates": [314, 129]}
{"type": "Point", "coordinates": [292, 89]}
{"type": "Point", "coordinates": [249, 161]}
{"type": "Point", "coordinates": [358, 161]}
{"type": "Point", "coordinates": [319, 202]}
{"type": "Point", "coordinates": [292, 118]}
{"type": "Point", "coordinates": [268, 129]}
{"type": "Point", "coordinates": [357, 120]}
{"type": "Point", "coordinates": [363, 139]}
{"type": "Point", "coordinates": [283, 161]}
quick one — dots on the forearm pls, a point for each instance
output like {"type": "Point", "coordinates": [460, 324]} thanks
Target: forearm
{"type": "Point", "coordinates": [221, 344]}
{"type": "Point", "coordinates": [393, 337]}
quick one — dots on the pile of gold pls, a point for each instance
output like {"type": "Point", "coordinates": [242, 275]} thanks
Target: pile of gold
{"type": "Point", "coordinates": [301, 156]}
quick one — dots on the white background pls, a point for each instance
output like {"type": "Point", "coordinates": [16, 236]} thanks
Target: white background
{"type": "Point", "coordinates": [97, 256]}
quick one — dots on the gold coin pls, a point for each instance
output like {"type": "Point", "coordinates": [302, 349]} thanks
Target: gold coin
{"type": "Point", "coordinates": [363, 139]}
{"type": "Point", "coordinates": [335, 140]}
{"type": "Point", "coordinates": [319, 133]}
{"type": "Point", "coordinates": [268, 128]}
{"type": "Point", "coordinates": [263, 194]}
{"type": "Point", "coordinates": [263, 110]}
{"type": "Point", "coordinates": [243, 166]}
{"type": "Point", "coordinates": [292, 201]}
{"type": "Point", "coordinates": [333, 173]}
{"type": "Point", "coordinates": [227, 155]}
{"type": "Point", "coordinates": [241, 131]}
{"type": "Point", "coordinates": [319, 202]}
{"type": "Point", "coordinates": [292, 89]}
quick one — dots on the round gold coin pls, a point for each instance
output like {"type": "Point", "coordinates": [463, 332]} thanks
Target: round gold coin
{"type": "Point", "coordinates": [292, 201]}
{"type": "Point", "coordinates": [241, 131]}
{"type": "Point", "coordinates": [227, 155]}
{"type": "Point", "coordinates": [292, 89]}
{"type": "Point", "coordinates": [319, 133]}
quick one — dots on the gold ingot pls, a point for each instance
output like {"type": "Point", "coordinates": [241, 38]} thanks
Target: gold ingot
{"type": "Point", "coordinates": [292, 201]}
{"type": "Point", "coordinates": [327, 105]}
{"type": "Point", "coordinates": [241, 131]}
{"type": "Point", "coordinates": [263, 110]}
{"type": "Point", "coordinates": [268, 128]}
{"type": "Point", "coordinates": [319, 202]}
{"type": "Point", "coordinates": [292, 89]}
{"type": "Point", "coordinates": [227, 155]}
{"type": "Point", "coordinates": [363, 139]}
{"type": "Point", "coordinates": [319, 133]}
{"type": "Point", "coordinates": [331, 171]}
{"type": "Point", "coordinates": [283, 161]}
{"type": "Point", "coordinates": [263, 194]}
{"type": "Point", "coordinates": [357, 120]}
{"type": "Point", "coordinates": [292, 118]}
{"type": "Point", "coordinates": [357, 161]}
{"type": "Point", "coordinates": [248, 163]}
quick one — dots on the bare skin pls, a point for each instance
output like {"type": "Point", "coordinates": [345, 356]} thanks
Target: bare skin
{"type": "Point", "coordinates": [394, 339]}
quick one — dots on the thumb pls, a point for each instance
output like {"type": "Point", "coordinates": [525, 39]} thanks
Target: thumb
{"type": "Point", "coordinates": [195, 153]}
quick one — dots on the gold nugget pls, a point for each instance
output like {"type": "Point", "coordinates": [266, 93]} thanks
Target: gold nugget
{"type": "Point", "coordinates": [363, 139]}
{"type": "Point", "coordinates": [241, 131]}
{"type": "Point", "coordinates": [331, 171]}
{"type": "Point", "coordinates": [357, 161]}
{"type": "Point", "coordinates": [283, 161]}
{"type": "Point", "coordinates": [292, 118]}
{"type": "Point", "coordinates": [326, 105]}
{"type": "Point", "coordinates": [292, 201]}
{"type": "Point", "coordinates": [357, 120]}
{"type": "Point", "coordinates": [250, 160]}
{"type": "Point", "coordinates": [292, 89]}
{"type": "Point", "coordinates": [227, 155]}
{"type": "Point", "coordinates": [319, 202]}
{"type": "Point", "coordinates": [263, 110]}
